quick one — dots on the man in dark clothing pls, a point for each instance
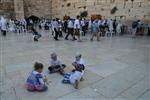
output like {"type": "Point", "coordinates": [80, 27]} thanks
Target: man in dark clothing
{"type": "Point", "coordinates": [134, 28]}
{"type": "Point", "coordinates": [55, 25]}
{"type": "Point", "coordinates": [70, 30]}
{"type": "Point", "coordinates": [65, 26]}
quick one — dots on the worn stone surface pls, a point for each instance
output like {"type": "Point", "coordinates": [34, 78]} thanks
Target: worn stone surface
{"type": "Point", "coordinates": [60, 8]}
{"type": "Point", "coordinates": [117, 68]}
{"type": "Point", "coordinates": [102, 7]}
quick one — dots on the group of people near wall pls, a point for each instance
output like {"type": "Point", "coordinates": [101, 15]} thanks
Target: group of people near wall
{"type": "Point", "coordinates": [9, 25]}
{"type": "Point", "coordinates": [75, 27]}
{"type": "Point", "coordinates": [98, 27]}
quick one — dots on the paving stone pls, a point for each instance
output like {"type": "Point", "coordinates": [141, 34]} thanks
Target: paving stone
{"type": "Point", "coordinates": [105, 68]}
{"type": "Point", "coordinates": [115, 67]}
{"type": "Point", "coordinates": [145, 96]}
{"type": "Point", "coordinates": [83, 94]}
{"type": "Point", "coordinates": [119, 98]}
{"type": "Point", "coordinates": [137, 90]}
{"type": "Point", "coordinates": [9, 94]}
{"type": "Point", "coordinates": [117, 83]}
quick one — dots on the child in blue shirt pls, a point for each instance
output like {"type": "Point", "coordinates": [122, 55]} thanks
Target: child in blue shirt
{"type": "Point", "coordinates": [36, 82]}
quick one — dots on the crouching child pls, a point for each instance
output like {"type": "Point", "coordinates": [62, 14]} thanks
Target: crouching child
{"type": "Point", "coordinates": [73, 77]}
{"type": "Point", "coordinates": [56, 65]}
{"type": "Point", "coordinates": [36, 82]}
{"type": "Point", "coordinates": [79, 63]}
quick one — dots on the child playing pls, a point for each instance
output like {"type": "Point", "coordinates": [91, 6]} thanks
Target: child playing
{"type": "Point", "coordinates": [36, 34]}
{"type": "Point", "coordinates": [73, 77]}
{"type": "Point", "coordinates": [79, 62]}
{"type": "Point", "coordinates": [35, 81]}
{"type": "Point", "coordinates": [56, 65]}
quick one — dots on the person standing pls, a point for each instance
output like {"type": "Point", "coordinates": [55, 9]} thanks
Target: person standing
{"type": "Point", "coordinates": [89, 26]}
{"type": "Point", "coordinates": [60, 28]}
{"type": "Point", "coordinates": [148, 29]}
{"type": "Point", "coordinates": [70, 29]}
{"type": "Point", "coordinates": [55, 25]}
{"type": "Point", "coordinates": [65, 26]}
{"type": "Point", "coordinates": [115, 26]}
{"type": "Point", "coordinates": [95, 30]}
{"type": "Point", "coordinates": [3, 26]}
{"type": "Point", "coordinates": [110, 27]}
{"type": "Point", "coordinates": [77, 28]}
{"type": "Point", "coordinates": [118, 29]}
{"type": "Point", "coordinates": [11, 25]}
{"type": "Point", "coordinates": [134, 28]}
{"type": "Point", "coordinates": [83, 26]}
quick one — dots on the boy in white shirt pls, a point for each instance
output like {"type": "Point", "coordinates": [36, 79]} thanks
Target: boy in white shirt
{"type": "Point", "coordinates": [3, 26]}
{"type": "Point", "coordinates": [77, 28]}
{"type": "Point", "coordinates": [79, 63]}
{"type": "Point", "coordinates": [56, 65]}
{"type": "Point", "coordinates": [73, 77]}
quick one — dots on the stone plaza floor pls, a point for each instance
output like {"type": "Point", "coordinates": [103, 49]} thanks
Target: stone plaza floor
{"type": "Point", "coordinates": [117, 68]}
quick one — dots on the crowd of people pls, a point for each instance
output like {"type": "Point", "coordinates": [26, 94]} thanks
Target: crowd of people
{"type": "Point", "coordinates": [63, 29]}
{"type": "Point", "coordinates": [75, 27]}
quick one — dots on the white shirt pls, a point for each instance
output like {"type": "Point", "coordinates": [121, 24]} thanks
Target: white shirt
{"type": "Point", "coordinates": [70, 24]}
{"type": "Point", "coordinates": [81, 61]}
{"type": "Point", "coordinates": [53, 62]}
{"type": "Point", "coordinates": [55, 24]}
{"type": "Point", "coordinates": [82, 23]}
{"type": "Point", "coordinates": [90, 24]}
{"type": "Point", "coordinates": [77, 24]}
{"type": "Point", "coordinates": [103, 22]}
{"type": "Point", "coordinates": [110, 23]}
{"type": "Point", "coordinates": [3, 24]}
{"type": "Point", "coordinates": [75, 76]}
{"type": "Point", "coordinates": [99, 22]}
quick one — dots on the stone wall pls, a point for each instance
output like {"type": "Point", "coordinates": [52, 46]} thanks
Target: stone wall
{"type": "Point", "coordinates": [39, 8]}
{"type": "Point", "coordinates": [138, 9]}
{"type": "Point", "coordinates": [19, 9]}
{"type": "Point", "coordinates": [7, 8]}
{"type": "Point", "coordinates": [59, 8]}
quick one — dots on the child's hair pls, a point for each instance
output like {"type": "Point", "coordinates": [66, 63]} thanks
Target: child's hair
{"type": "Point", "coordinates": [78, 68]}
{"type": "Point", "coordinates": [78, 55]}
{"type": "Point", "coordinates": [53, 54]}
{"type": "Point", "coordinates": [38, 65]}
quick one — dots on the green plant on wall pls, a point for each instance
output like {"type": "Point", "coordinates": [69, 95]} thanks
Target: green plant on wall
{"type": "Point", "coordinates": [84, 14]}
{"type": "Point", "coordinates": [113, 10]}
